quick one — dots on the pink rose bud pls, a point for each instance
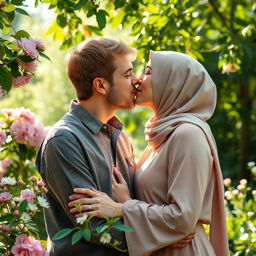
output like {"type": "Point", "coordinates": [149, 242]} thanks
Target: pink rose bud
{"type": "Point", "coordinates": [5, 228]}
{"type": "Point", "coordinates": [21, 80]}
{"type": "Point", "coordinates": [16, 212]}
{"type": "Point", "coordinates": [227, 182]}
{"type": "Point", "coordinates": [45, 189]}
{"type": "Point", "coordinates": [12, 204]}
{"type": "Point", "coordinates": [21, 182]}
{"type": "Point", "coordinates": [40, 183]}
{"type": "Point", "coordinates": [243, 182]}
{"type": "Point", "coordinates": [33, 179]}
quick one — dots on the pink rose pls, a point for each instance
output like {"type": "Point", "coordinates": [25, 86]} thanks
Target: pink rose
{"type": "Point", "coordinates": [29, 47]}
{"type": "Point", "coordinates": [2, 137]}
{"type": "Point", "coordinates": [21, 80]}
{"type": "Point", "coordinates": [33, 179]}
{"type": "Point", "coordinates": [39, 44]}
{"type": "Point", "coordinates": [38, 136]}
{"type": "Point", "coordinates": [5, 196]}
{"type": "Point", "coordinates": [21, 130]}
{"type": "Point", "coordinates": [228, 68]}
{"type": "Point", "coordinates": [27, 115]}
{"type": "Point", "coordinates": [5, 228]}
{"type": "Point", "coordinates": [28, 66]}
{"type": "Point", "coordinates": [6, 162]}
{"type": "Point", "coordinates": [27, 194]}
{"type": "Point", "coordinates": [28, 246]}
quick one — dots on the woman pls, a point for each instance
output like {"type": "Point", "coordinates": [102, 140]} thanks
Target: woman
{"type": "Point", "coordinates": [178, 178]}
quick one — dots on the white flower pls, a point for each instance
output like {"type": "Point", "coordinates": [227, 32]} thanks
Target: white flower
{"type": "Point", "coordinates": [244, 237]}
{"type": "Point", "coordinates": [250, 164]}
{"type": "Point", "coordinates": [82, 219]}
{"type": "Point", "coordinates": [250, 214]}
{"type": "Point", "coordinates": [254, 170]}
{"type": "Point", "coordinates": [105, 238]}
{"type": "Point", "coordinates": [8, 181]}
{"type": "Point", "coordinates": [42, 202]}
{"type": "Point", "coordinates": [16, 198]}
{"type": "Point", "coordinates": [25, 217]}
{"type": "Point", "coordinates": [32, 207]}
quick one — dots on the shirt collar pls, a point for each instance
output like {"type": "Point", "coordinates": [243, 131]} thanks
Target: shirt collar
{"type": "Point", "coordinates": [90, 121]}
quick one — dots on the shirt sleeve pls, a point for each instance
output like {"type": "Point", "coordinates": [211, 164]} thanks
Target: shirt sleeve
{"type": "Point", "coordinates": [64, 167]}
{"type": "Point", "coordinates": [157, 226]}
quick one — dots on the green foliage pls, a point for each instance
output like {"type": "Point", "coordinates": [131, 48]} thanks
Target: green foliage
{"type": "Point", "coordinates": [85, 231]}
{"type": "Point", "coordinates": [241, 209]}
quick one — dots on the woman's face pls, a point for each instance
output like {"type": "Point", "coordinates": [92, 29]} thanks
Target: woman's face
{"type": "Point", "coordinates": [144, 92]}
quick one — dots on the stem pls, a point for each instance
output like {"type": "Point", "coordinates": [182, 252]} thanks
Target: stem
{"type": "Point", "coordinates": [222, 18]}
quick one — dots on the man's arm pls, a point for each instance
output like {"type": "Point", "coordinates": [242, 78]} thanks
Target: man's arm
{"type": "Point", "coordinates": [65, 167]}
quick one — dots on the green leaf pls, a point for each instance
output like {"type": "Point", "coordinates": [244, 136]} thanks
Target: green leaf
{"type": "Point", "coordinates": [8, 217]}
{"type": "Point", "coordinates": [21, 11]}
{"type": "Point", "coordinates": [122, 227]}
{"type": "Point", "coordinates": [6, 29]}
{"type": "Point", "coordinates": [14, 68]}
{"type": "Point", "coordinates": [61, 20]}
{"type": "Point", "coordinates": [95, 30]}
{"type": "Point", "coordinates": [77, 236]}
{"type": "Point", "coordinates": [25, 58]}
{"type": "Point", "coordinates": [9, 8]}
{"type": "Point", "coordinates": [17, 2]}
{"type": "Point", "coordinates": [5, 79]}
{"type": "Point", "coordinates": [87, 234]}
{"type": "Point", "coordinates": [62, 233]}
{"type": "Point", "coordinates": [80, 4]}
{"type": "Point", "coordinates": [23, 205]}
{"type": "Point", "coordinates": [101, 228]}
{"type": "Point", "coordinates": [91, 12]}
{"type": "Point", "coordinates": [44, 56]}
{"type": "Point", "coordinates": [101, 19]}
{"type": "Point", "coordinates": [36, 3]}
{"type": "Point", "coordinates": [22, 33]}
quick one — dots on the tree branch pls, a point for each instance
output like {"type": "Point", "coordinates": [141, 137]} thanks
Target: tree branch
{"type": "Point", "coordinates": [219, 13]}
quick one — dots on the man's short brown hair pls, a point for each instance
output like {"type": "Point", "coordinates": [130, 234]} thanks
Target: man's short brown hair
{"type": "Point", "coordinates": [91, 59]}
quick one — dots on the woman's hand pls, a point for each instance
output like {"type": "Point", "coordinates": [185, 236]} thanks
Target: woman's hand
{"type": "Point", "coordinates": [94, 202]}
{"type": "Point", "coordinates": [184, 242]}
{"type": "Point", "coordinates": [119, 187]}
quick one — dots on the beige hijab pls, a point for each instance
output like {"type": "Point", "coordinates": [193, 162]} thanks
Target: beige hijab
{"type": "Point", "coordinates": [183, 91]}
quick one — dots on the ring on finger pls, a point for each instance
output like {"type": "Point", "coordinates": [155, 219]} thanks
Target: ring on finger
{"type": "Point", "coordinates": [90, 207]}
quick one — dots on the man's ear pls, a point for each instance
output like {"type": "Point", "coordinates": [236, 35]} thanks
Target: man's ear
{"type": "Point", "coordinates": [100, 85]}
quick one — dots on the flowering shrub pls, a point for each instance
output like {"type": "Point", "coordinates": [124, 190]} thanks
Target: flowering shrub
{"type": "Point", "coordinates": [20, 135]}
{"type": "Point", "coordinates": [19, 203]}
{"type": "Point", "coordinates": [241, 211]}
{"type": "Point", "coordinates": [84, 231]}
{"type": "Point", "coordinates": [18, 58]}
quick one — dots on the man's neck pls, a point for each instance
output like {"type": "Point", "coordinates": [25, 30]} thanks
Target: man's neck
{"type": "Point", "coordinates": [99, 110]}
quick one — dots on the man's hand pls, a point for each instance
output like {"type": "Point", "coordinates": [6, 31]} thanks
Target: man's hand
{"type": "Point", "coordinates": [184, 242]}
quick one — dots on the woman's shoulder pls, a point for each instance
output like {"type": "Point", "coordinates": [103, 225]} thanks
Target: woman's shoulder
{"type": "Point", "coordinates": [189, 132]}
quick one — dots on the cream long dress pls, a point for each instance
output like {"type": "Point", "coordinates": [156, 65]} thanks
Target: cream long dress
{"type": "Point", "coordinates": [178, 180]}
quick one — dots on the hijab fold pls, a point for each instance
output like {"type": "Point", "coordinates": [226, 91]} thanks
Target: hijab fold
{"type": "Point", "coordinates": [183, 92]}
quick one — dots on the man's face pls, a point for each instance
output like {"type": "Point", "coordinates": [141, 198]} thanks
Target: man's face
{"type": "Point", "coordinates": [121, 94]}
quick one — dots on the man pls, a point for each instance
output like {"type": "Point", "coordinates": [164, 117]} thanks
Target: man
{"type": "Point", "coordinates": [83, 147]}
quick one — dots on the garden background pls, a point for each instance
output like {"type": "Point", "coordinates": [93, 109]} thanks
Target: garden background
{"type": "Point", "coordinates": [219, 34]}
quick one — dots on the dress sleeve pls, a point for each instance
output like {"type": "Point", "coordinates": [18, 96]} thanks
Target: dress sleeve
{"type": "Point", "coordinates": [64, 167]}
{"type": "Point", "coordinates": [157, 226]}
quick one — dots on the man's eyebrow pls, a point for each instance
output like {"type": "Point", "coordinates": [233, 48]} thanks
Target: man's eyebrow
{"type": "Point", "coordinates": [130, 69]}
